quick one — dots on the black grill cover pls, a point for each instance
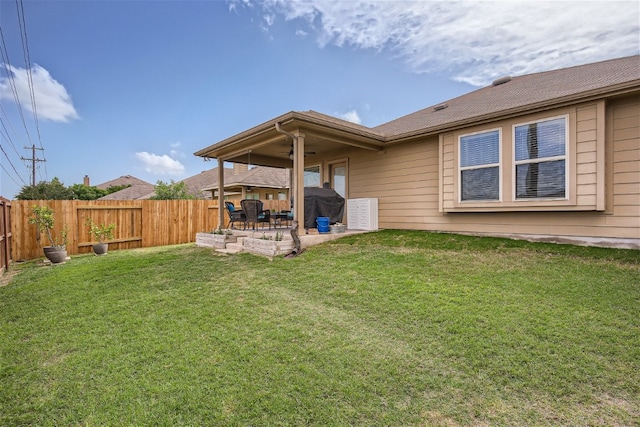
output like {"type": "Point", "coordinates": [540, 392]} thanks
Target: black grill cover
{"type": "Point", "coordinates": [322, 202]}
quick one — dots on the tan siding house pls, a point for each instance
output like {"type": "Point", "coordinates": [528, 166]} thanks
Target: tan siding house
{"type": "Point", "coordinates": [548, 156]}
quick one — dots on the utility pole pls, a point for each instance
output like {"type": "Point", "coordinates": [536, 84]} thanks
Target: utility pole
{"type": "Point", "coordinates": [33, 160]}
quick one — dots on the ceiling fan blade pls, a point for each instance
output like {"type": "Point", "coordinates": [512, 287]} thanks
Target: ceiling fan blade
{"type": "Point", "coordinates": [306, 153]}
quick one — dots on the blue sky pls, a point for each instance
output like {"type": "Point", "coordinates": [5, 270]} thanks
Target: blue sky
{"type": "Point", "coordinates": [135, 87]}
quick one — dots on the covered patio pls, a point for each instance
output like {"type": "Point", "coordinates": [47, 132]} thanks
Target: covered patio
{"type": "Point", "coordinates": [293, 141]}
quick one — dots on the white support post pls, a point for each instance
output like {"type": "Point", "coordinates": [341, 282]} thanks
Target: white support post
{"type": "Point", "coordinates": [298, 173]}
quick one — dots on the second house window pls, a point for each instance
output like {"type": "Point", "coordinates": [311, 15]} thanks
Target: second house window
{"type": "Point", "coordinates": [540, 159]}
{"type": "Point", "coordinates": [480, 166]}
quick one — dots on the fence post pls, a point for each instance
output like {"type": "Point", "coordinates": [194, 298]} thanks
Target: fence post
{"type": "Point", "coordinates": [6, 234]}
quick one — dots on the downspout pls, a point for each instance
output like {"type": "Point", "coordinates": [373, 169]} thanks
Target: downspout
{"type": "Point", "coordinates": [284, 132]}
{"type": "Point", "coordinates": [298, 207]}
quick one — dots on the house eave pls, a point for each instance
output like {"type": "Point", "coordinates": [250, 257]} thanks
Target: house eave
{"type": "Point", "coordinates": [608, 92]}
{"type": "Point", "coordinates": [266, 133]}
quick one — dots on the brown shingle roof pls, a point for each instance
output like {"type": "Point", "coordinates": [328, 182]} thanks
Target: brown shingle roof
{"type": "Point", "coordinates": [137, 190]}
{"type": "Point", "coordinates": [522, 93]}
{"type": "Point", "coordinates": [134, 192]}
{"type": "Point", "coordinates": [197, 182]}
{"type": "Point", "coordinates": [123, 180]}
{"type": "Point", "coordinates": [259, 176]}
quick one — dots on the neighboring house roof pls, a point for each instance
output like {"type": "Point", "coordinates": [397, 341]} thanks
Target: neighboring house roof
{"type": "Point", "coordinates": [258, 176]}
{"type": "Point", "coordinates": [123, 180]}
{"type": "Point", "coordinates": [143, 190]}
{"type": "Point", "coordinates": [200, 185]}
{"type": "Point", "coordinates": [130, 193]}
{"type": "Point", "coordinates": [195, 183]}
{"type": "Point", "coordinates": [137, 190]}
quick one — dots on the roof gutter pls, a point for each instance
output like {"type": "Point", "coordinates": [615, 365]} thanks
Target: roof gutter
{"type": "Point", "coordinates": [284, 132]}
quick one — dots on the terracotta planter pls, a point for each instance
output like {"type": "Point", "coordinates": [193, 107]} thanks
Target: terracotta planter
{"type": "Point", "coordinates": [55, 254]}
{"type": "Point", "coordinates": [100, 248]}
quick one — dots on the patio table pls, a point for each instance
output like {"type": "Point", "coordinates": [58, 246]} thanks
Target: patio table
{"type": "Point", "coordinates": [281, 218]}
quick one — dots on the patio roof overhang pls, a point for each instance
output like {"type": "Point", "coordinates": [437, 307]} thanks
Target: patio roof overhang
{"type": "Point", "coordinates": [264, 145]}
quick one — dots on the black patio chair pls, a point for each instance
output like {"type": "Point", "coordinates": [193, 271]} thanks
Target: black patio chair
{"type": "Point", "coordinates": [235, 215]}
{"type": "Point", "coordinates": [254, 213]}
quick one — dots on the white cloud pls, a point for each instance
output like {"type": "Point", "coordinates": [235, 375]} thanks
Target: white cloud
{"type": "Point", "coordinates": [351, 116]}
{"type": "Point", "coordinates": [174, 152]}
{"type": "Point", "coordinates": [472, 41]}
{"type": "Point", "coordinates": [51, 98]}
{"type": "Point", "coordinates": [160, 165]}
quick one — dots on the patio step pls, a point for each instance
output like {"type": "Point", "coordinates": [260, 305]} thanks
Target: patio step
{"type": "Point", "coordinates": [232, 248]}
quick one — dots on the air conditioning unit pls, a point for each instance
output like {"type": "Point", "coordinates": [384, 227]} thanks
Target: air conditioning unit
{"type": "Point", "coordinates": [362, 214]}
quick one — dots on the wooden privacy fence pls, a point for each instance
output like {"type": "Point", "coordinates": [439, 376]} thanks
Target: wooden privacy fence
{"type": "Point", "coordinates": [139, 223]}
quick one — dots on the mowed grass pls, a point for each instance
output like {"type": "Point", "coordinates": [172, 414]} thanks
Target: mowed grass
{"type": "Point", "coordinates": [383, 329]}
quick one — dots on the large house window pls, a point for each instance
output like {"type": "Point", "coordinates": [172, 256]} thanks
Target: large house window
{"type": "Point", "coordinates": [540, 159]}
{"type": "Point", "coordinates": [480, 166]}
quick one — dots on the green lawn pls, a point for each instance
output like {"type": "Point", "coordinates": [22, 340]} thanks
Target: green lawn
{"type": "Point", "coordinates": [382, 329]}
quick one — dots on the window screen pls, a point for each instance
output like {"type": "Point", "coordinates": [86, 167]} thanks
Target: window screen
{"type": "Point", "coordinates": [480, 166]}
{"type": "Point", "coordinates": [540, 158]}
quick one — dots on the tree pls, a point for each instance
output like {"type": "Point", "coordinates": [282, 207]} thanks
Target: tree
{"type": "Point", "coordinates": [43, 217]}
{"type": "Point", "coordinates": [54, 190]}
{"type": "Point", "coordinates": [116, 188]}
{"type": "Point", "coordinates": [171, 191]}
{"type": "Point", "coordinates": [84, 192]}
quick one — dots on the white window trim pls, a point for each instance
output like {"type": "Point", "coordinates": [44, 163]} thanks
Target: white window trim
{"type": "Point", "coordinates": [565, 157]}
{"type": "Point", "coordinates": [485, 166]}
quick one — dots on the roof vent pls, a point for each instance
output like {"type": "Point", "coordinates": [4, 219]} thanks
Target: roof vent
{"type": "Point", "coordinates": [440, 107]}
{"type": "Point", "coordinates": [501, 80]}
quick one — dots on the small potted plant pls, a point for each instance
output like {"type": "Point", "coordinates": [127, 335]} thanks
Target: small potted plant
{"type": "Point", "coordinates": [43, 218]}
{"type": "Point", "coordinates": [100, 233]}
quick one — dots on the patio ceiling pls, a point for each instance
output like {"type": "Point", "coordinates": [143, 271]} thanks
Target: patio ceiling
{"type": "Point", "coordinates": [264, 145]}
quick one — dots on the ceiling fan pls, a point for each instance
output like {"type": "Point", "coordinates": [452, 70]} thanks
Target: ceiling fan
{"type": "Point", "coordinates": [306, 153]}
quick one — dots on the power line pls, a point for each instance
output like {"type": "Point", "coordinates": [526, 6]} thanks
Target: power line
{"type": "Point", "coordinates": [12, 83]}
{"type": "Point", "coordinates": [5, 58]}
{"type": "Point", "coordinates": [9, 175]}
{"type": "Point", "coordinates": [27, 60]}
{"type": "Point", "coordinates": [6, 134]}
{"type": "Point", "coordinates": [9, 160]}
